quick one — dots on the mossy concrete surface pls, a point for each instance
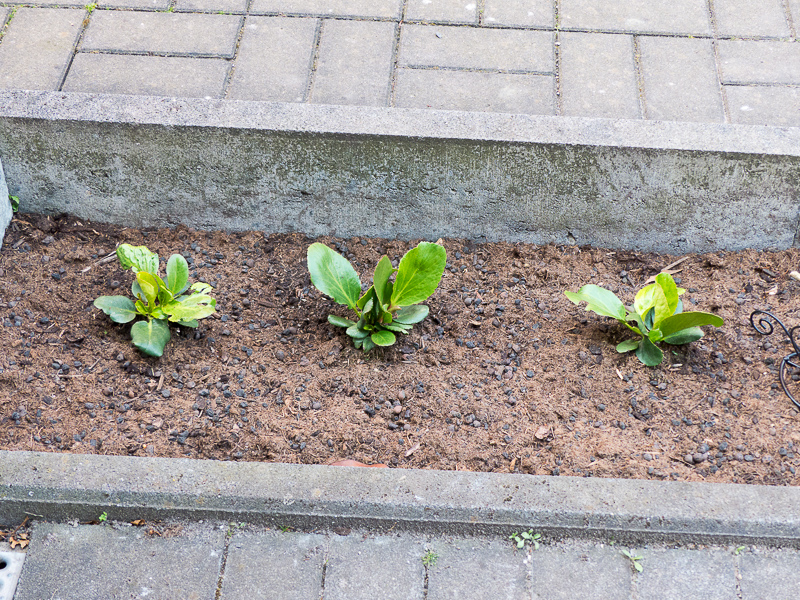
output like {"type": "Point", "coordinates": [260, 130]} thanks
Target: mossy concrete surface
{"type": "Point", "coordinates": [63, 487]}
{"type": "Point", "coordinates": [405, 173]}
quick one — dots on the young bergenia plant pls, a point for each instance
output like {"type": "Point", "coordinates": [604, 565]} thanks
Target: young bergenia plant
{"type": "Point", "coordinates": [656, 315]}
{"type": "Point", "coordinates": [161, 302]}
{"type": "Point", "coordinates": [386, 307]}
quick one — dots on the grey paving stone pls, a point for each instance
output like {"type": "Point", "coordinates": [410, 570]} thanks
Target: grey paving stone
{"type": "Point", "coordinates": [748, 18]}
{"type": "Point", "coordinates": [274, 566]}
{"type": "Point", "coordinates": [476, 48]}
{"type": "Point", "coordinates": [764, 105]}
{"type": "Point", "coordinates": [598, 77]}
{"type": "Point", "coordinates": [4, 12]}
{"type": "Point", "coordinates": [770, 574]}
{"type": "Point", "coordinates": [707, 574]}
{"type": "Point", "coordinates": [162, 32]}
{"type": "Point", "coordinates": [386, 567]}
{"type": "Point", "coordinates": [652, 16]}
{"type": "Point", "coordinates": [759, 61]}
{"type": "Point", "coordinates": [475, 91]}
{"type": "Point", "coordinates": [519, 13]}
{"type": "Point", "coordinates": [444, 11]}
{"type": "Point", "coordinates": [93, 562]}
{"type": "Point", "coordinates": [152, 4]}
{"type": "Point", "coordinates": [147, 75]}
{"type": "Point", "coordinates": [385, 9]}
{"type": "Point", "coordinates": [354, 64]}
{"type": "Point", "coordinates": [478, 569]}
{"type": "Point", "coordinates": [226, 6]}
{"type": "Point", "coordinates": [37, 47]}
{"type": "Point", "coordinates": [577, 570]}
{"type": "Point", "coordinates": [274, 60]}
{"type": "Point", "coordinates": [680, 79]}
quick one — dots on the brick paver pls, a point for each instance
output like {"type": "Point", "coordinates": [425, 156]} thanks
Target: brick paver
{"type": "Point", "coordinates": [680, 79]}
{"type": "Point", "coordinates": [388, 9]}
{"type": "Point", "coordinates": [598, 76]}
{"type": "Point", "coordinates": [147, 75]}
{"type": "Point", "coordinates": [769, 574]}
{"type": "Point", "coordinates": [671, 574]}
{"type": "Point", "coordinates": [226, 6]}
{"type": "Point", "coordinates": [527, 13]}
{"type": "Point", "coordinates": [470, 90]}
{"type": "Point", "coordinates": [757, 105]}
{"type": "Point", "coordinates": [748, 18]}
{"type": "Point", "coordinates": [37, 47]}
{"type": "Point", "coordinates": [688, 17]}
{"type": "Point", "coordinates": [355, 63]}
{"type": "Point", "coordinates": [274, 566]}
{"type": "Point", "coordinates": [759, 61]}
{"type": "Point", "coordinates": [473, 48]}
{"type": "Point", "coordinates": [442, 11]}
{"type": "Point", "coordinates": [162, 32]}
{"type": "Point", "coordinates": [275, 59]}
{"type": "Point", "coordinates": [588, 572]}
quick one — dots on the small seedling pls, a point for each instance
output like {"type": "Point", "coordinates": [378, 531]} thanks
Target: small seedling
{"type": "Point", "coordinates": [103, 517]}
{"type": "Point", "coordinates": [161, 302]}
{"type": "Point", "coordinates": [90, 7]}
{"type": "Point", "coordinates": [386, 307]}
{"type": "Point", "coordinates": [738, 550]}
{"type": "Point", "coordinates": [285, 529]}
{"type": "Point", "coordinates": [14, 203]}
{"type": "Point", "coordinates": [634, 559]}
{"type": "Point", "coordinates": [657, 314]}
{"type": "Point", "coordinates": [526, 537]}
{"type": "Point", "coordinates": [430, 558]}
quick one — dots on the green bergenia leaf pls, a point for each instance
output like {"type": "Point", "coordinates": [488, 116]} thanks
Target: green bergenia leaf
{"type": "Point", "coordinates": [150, 336]}
{"type": "Point", "coordinates": [412, 314]}
{"type": "Point", "coordinates": [684, 336]}
{"type": "Point", "coordinates": [340, 321]}
{"type": "Point", "coordinates": [383, 338]}
{"type": "Point", "coordinates": [649, 353]}
{"type": "Point", "coordinates": [119, 308]}
{"type": "Point", "coordinates": [599, 300]}
{"type": "Point", "coordinates": [380, 279]}
{"type": "Point", "coordinates": [333, 275]}
{"type": "Point", "coordinates": [148, 283]}
{"type": "Point", "coordinates": [139, 258]}
{"type": "Point", "coordinates": [418, 274]}
{"type": "Point", "coordinates": [627, 346]}
{"type": "Point", "coordinates": [681, 321]}
{"type": "Point", "coordinates": [177, 274]}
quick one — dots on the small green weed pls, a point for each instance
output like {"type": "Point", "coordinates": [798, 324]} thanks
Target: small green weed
{"type": "Point", "coordinates": [634, 559]}
{"type": "Point", "coordinates": [14, 203]}
{"type": "Point", "coordinates": [90, 7]}
{"type": "Point", "coordinates": [526, 537]}
{"type": "Point", "coordinates": [430, 558]}
{"type": "Point", "coordinates": [103, 517]}
{"type": "Point", "coordinates": [738, 550]}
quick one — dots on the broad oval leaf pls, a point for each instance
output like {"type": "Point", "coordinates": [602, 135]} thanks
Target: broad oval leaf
{"type": "Point", "coordinates": [333, 275]}
{"type": "Point", "coordinates": [627, 346]}
{"type": "Point", "coordinates": [599, 300]}
{"type": "Point", "coordinates": [150, 336]}
{"type": "Point", "coordinates": [383, 338]}
{"type": "Point", "coordinates": [355, 332]}
{"type": "Point", "coordinates": [412, 314]}
{"type": "Point", "coordinates": [177, 274]}
{"type": "Point", "coordinates": [684, 336]}
{"type": "Point", "coordinates": [181, 312]}
{"type": "Point", "coordinates": [655, 335]}
{"type": "Point", "coordinates": [139, 258]}
{"type": "Point", "coordinates": [644, 300]}
{"type": "Point", "coordinates": [367, 344]}
{"type": "Point", "coordinates": [398, 327]}
{"type": "Point", "coordinates": [676, 323]}
{"type": "Point", "coordinates": [418, 274]}
{"type": "Point", "coordinates": [340, 321]}
{"type": "Point", "coordinates": [667, 284]}
{"type": "Point", "coordinates": [649, 354]}
{"type": "Point", "coordinates": [119, 308]}
{"type": "Point", "coordinates": [380, 279]}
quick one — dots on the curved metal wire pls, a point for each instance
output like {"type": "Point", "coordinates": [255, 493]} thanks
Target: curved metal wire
{"type": "Point", "coordinates": [765, 326]}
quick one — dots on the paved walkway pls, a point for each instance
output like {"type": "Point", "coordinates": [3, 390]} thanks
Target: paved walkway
{"type": "Point", "coordinates": [191, 560]}
{"type": "Point", "coordinates": [718, 61]}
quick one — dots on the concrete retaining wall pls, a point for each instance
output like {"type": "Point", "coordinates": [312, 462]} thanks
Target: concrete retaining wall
{"type": "Point", "coordinates": [348, 171]}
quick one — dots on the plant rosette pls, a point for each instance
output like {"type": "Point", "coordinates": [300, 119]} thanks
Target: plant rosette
{"type": "Point", "coordinates": [387, 307]}
{"type": "Point", "coordinates": [656, 316]}
{"type": "Point", "coordinates": [159, 301]}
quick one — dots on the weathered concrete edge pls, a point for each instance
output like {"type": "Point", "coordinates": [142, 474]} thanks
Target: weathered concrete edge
{"type": "Point", "coordinates": [400, 122]}
{"type": "Point", "coordinates": [62, 487]}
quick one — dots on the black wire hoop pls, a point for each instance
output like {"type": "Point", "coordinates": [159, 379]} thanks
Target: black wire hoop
{"type": "Point", "coordinates": [765, 326]}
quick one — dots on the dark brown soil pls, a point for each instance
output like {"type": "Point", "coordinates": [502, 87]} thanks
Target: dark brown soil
{"type": "Point", "coordinates": [522, 380]}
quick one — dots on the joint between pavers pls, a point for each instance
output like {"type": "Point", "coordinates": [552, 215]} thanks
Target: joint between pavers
{"type": "Point", "coordinates": [158, 54]}
{"type": "Point", "coordinates": [480, 10]}
{"type": "Point", "coordinates": [557, 58]}
{"type": "Point", "coordinates": [232, 67]}
{"type": "Point", "coordinates": [759, 84]}
{"type": "Point", "coordinates": [396, 55]}
{"type": "Point", "coordinates": [717, 61]}
{"type": "Point", "coordinates": [670, 34]}
{"type": "Point", "coordinates": [366, 19]}
{"type": "Point", "coordinates": [312, 67]}
{"type": "Point", "coordinates": [478, 70]}
{"type": "Point", "coordinates": [787, 14]}
{"type": "Point", "coordinates": [75, 49]}
{"type": "Point", "coordinates": [637, 65]}
{"type": "Point", "coordinates": [7, 22]}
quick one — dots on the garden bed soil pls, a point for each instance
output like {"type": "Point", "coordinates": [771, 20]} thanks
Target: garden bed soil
{"type": "Point", "coordinates": [505, 375]}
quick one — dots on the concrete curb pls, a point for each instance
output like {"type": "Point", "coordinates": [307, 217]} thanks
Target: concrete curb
{"type": "Point", "coordinates": [334, 170]}
{"type": "Point", "coordinates": [62, 487]}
